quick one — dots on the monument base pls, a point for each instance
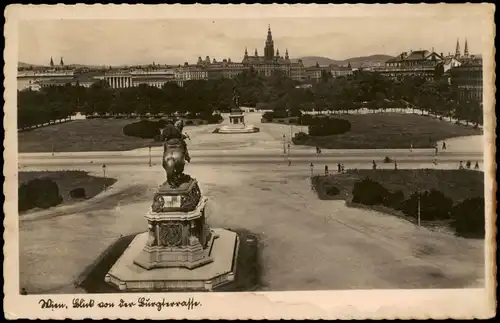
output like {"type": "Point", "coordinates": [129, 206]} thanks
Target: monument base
{"type": "Point", "coordinates": [126, 276]}
{"type": "Point", "coordinates": [234, 129]}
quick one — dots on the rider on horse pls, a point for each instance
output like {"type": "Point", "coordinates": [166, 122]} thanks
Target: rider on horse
{"type": "Point", "coordinates": [180, 125]}
{"type": "Point", "coordinates": [172, 131]}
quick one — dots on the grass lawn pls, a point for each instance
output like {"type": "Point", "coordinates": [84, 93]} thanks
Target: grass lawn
{"type": "Point", "coordinates": [391, 130]}
{"type": "Point", "coordinates": [68, 180]}
{"type": "Point", "coordinates": [82, 135]}
{"type": "Point", "coordinates": [456, 184]}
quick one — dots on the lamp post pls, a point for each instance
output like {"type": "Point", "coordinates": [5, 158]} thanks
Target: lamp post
{"type": "Point", "coordinates": [418, 208]}
{"type": "Point", "coordinates": [149, 155]}
{"type": "Point", "coordinates": [284, 145]}
{"type": "Point", "coordinates": [104, 174]}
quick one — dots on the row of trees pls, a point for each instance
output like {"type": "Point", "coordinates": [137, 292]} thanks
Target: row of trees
{"type": "Point", "coordinates": [277, 92]}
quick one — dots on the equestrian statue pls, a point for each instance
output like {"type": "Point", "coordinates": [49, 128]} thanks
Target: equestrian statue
{"type": "Point", "coordinates": [175, 152]}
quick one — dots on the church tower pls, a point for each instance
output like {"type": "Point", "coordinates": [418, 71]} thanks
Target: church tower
{"type": "Point", "coordinates": [51, 62]}
{"type": "Point", "coordinates": [269, 49]}
{"type": "Point", "coordinates": [286, 54]}
{"type": "Point", "coordinates": [61, 62]}
{"type": "Point", "coordinates": [457, 51]}
{"type": "Point", "coordinates": [466, 49]}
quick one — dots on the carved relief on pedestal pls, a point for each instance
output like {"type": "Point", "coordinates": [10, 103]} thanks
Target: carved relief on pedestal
{"type": "Point", "coordinates": [152, 235]}
{"type": "Point", "coordinates": [158, 203]}
{"type": "Point", "coordinates": [191, 200]}
{"type": "Point", "coordinates": [171, 234]}
{"type": "Point", "coordinates": [177, 200]}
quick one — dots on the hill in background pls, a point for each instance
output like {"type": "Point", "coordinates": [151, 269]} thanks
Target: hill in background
{"type": "Point", "coordinates": [356, 62]}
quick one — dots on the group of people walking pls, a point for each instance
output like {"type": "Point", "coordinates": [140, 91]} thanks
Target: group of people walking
{"type": "Point", "coordinates": [468, 164]}
{"type": "Point", "coordinates": [340, 168]}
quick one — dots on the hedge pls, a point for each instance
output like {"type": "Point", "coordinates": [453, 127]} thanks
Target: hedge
{"type": "Point", "coordinates": [145, 129]}
{"type": "Point", "coordinates": [469, 218]}
{"type": "Point", "coordinates": [77, 193]}
{"type": "Point", "coordinates": [434, 205]}
{"type": "Point", "coordinates": [369, 192]}
{"type": "Point", "coordinates": [329, 126]}
{"type": "Point", "coordinates": [41, 193]}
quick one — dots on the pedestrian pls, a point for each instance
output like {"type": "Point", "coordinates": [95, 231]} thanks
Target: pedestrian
{"type": "Point", "coordinates": [477, 165]}
{"type": "Point", "coordinates": [338, 167]}
{"type": "Point", "coordinates": [374, 165]}
{"type": "Point", "coordinates": [435, 161]}
{"type": "Point", "coordinates": [395, 165]}
{"type": "Point", "coordinates": [342, 169]}
{"type": "Point", "coordinates": [468, 164]}
{"type": "Point", "coordinates": [436, 150]}
{"type": "Point", "coordinates": [444, 145]}
{"type": "Point", "coordinates": [289, 162]}
{"type": "Point", "coordinates": [326, 169]}
{"type": "Point", "coordinates": [461, 166]}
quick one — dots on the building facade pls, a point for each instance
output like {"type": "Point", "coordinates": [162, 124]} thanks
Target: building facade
{"type": "Point", "coordinates": [421, 63]}
{"type": "Point", "coordinates": [468, 79]}
{"type": "Point", "coordinates": [341, 71]}
{"type": "Point", "coordinates": [272, 61]}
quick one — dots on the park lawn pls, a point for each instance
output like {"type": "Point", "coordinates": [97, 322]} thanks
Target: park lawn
{"type": "Point", "coordinates": [391, 130]}
{"type": "Point", "coordinates": [456, 184]}
{"type": "Point", "coordinates": [82, 135]}
{"type": "Point", "coordinates": [69, 180]}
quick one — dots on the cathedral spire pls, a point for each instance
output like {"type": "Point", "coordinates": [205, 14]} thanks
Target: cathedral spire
{"type": "Point", "coordinates": [256, 54]}
{"type": "Point", "coordinates": [277, 53]}
{"type": "Point", "coordinates": [457, 50]}
{"type": "Point", "coordinates": [61, 62]}
{"type": "Point", "coordinates": [286, 54]}
{"type": "Point", "coordinates": [51, 62]}
{"type": "Point", "coordinates": [466, 49]}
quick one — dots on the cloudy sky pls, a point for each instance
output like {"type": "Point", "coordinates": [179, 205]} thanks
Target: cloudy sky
{"type": "Point", "coordinates": [174, 41]}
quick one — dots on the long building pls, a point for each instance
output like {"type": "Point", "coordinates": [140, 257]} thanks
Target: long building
{"type": "Point", "coordinates": [416, 63]}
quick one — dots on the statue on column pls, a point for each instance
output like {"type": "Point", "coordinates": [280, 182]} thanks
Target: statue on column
{"type": "Point", "coordinates": [236, 98]}
{"type": "Point", "coordinates": [175, 152]}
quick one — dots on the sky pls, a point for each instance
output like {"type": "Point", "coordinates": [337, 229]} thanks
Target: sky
{"type": "Point", "coordinates": [175, 41]}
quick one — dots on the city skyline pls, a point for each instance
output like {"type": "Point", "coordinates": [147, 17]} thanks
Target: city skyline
{"type": "Point", "coordinates": [175, 41]}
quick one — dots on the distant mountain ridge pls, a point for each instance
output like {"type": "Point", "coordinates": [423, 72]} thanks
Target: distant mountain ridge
{"type": "Point", "coordinates": [356, 62]}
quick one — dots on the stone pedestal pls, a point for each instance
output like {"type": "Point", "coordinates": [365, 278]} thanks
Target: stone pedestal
{"type": "Point", "coordinates": [178, 231]}
{"type": "Point", "coordinates": [180, 251]}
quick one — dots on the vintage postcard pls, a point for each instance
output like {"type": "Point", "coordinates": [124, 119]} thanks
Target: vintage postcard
{"type": "Point", "coordinates": [249, 161]}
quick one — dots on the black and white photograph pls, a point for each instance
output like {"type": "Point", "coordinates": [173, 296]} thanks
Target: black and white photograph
{"type": "Point", "coordinates": [184, 157]}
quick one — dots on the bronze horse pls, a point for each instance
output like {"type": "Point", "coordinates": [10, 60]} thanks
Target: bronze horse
{"type": "Point", "coordinates": [174, 153]}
